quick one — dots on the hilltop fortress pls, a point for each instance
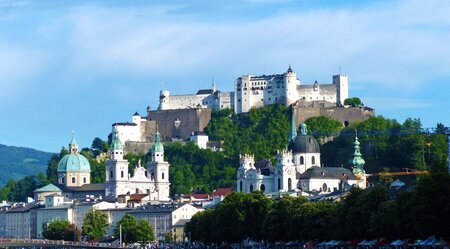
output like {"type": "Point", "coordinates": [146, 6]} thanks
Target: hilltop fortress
{"type": "Point", "coordinates": [252, 91]}
{"type": "Point", "coordinates": [179, 116]}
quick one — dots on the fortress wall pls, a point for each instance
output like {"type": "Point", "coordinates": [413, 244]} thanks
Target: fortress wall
{"type": "Point", "coordinates": [180, 123]}
{"type": "Point", "coordinates": [344, 115]}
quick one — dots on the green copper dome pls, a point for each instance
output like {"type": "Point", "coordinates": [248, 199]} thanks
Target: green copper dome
{"type": "Point", "coordinates": [74, 162]}
{"type": "Point", "coordinates": [157, 146]}
{"type": "Point", "coordinates": [357, 161]}
{"type": "Point", "coordinates": [115, 143]}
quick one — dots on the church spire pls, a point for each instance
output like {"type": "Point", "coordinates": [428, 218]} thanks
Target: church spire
{"type": "Point", "coordinates": [357, 161]}
{"type": "Point", "coordinates": [115, 143]}
{"type": "Point", "coordinates": [293, 132]}
{"type": "Point", "coordinates": [73, 146]}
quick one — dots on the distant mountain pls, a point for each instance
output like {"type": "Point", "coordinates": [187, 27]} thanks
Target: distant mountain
{"type": "Point", "coordinates": [17, 162]}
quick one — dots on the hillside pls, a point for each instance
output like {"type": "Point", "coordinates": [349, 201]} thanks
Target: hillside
{"type": "Point", "coordinates": [17, 162]}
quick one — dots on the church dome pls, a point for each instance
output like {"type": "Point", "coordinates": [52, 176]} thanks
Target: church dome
{"type": "Point", "coordinates": [304, 143]}
{"type": "Point", "coordinates": [74, 162]}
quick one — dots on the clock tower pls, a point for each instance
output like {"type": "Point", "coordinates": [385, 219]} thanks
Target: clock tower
{"type": "Point", "coordinates": [285, 172]}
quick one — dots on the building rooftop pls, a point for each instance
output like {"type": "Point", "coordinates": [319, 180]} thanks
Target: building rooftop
{"type": "Point", "coordinates": [48, 188]}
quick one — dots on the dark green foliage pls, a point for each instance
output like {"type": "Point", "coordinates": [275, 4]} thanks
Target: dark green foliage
{"type": "Point", "coordinates": [374, 213]}
{"type": "Point", "coordinates": [260, 132]}
{"type": "Point", "coordinates": [323, 126]}
{"type": "Point", "coordinates": [100, 145]}
{"type": "Point", "coordinates": [355, 101]}
{"type": "Point", "coordinates": [385, 143]}
{"type": "Point", "coordinates": [61, 230]}
{"type": "Point", "coordinates": [134, 230]}
{"type": "Point", "coordinates": [19, 190]}
{"type": "Point", "coordinates": [193, 168]}
{"type": "Point", "coordinates": [18, 162]}
{"type": "Point", "coordinates": [94, 224]}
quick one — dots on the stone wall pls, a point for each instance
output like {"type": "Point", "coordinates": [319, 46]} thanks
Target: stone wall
{"type": "Point", "coordinates": [180, 124]}
{"type": "Point", "coordinates": [342, 114]}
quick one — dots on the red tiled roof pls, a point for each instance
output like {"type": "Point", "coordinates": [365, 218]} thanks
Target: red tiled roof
{"type": "Point", "coordinates": [137, 197]}
{"type": "Point", "coordinates": [222, 191]}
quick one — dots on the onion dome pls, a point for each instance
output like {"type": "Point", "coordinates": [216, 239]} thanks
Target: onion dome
{"type": "Point", "coordinates": [304, 143]}
{"type": "Point", "coordinates": [357, 161]}
{"type": "Point", "coordinates": [74, 161]}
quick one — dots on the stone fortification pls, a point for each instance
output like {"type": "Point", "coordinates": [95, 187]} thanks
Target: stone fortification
{"type": "Point", "coordinates": [344, 115]}
{"type": "Point", "coordinates": [179, 124]}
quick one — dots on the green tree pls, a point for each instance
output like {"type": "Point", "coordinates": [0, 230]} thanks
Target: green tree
{"type": "Point", "coordinates": [129, 225]}
{"type": "Point", "coordinates": [144, 231]}
{"type": "Point", "coordinates": [94, 224]}
{"type": "Point", "coordinates": [323, 126]}
{"type": "Point", "coordinates": [61, 230]}
{"type": "Point", "coordinates": [355, 101]}
{"type": "Point", "coordinates": [100, 145]}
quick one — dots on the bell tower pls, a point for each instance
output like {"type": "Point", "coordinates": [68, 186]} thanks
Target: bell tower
{"type": "Point", "coordinates": [159, 170]}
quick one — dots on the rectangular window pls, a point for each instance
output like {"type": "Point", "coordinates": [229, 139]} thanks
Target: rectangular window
{"type": "Point", "coordinates": [73, 179]}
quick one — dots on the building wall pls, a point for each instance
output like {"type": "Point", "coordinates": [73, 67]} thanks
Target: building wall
{"type": "Point", "coordinates": [47, 215]}
{"type": "Point", "coordinates": [200, 140]}
{"type": "Point", "coordinates": [257, 91]}
{"type": "Point", "coordinates": [18, 224]}
{"type": "Point", "coordinates": [344, 115]}
{"type": "Point", "coordinates": [184, 212]}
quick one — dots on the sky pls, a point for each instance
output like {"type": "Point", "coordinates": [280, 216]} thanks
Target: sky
{"type": "Point", "coordinates": [83, 65]}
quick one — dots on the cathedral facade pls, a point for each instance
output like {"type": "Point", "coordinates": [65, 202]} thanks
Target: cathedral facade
{"type": "Point", "coordinates": [153, 180]}
{"type": "Point", "coordinates": [298, 170]}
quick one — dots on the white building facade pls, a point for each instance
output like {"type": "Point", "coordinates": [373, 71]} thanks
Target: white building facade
{"type": "Point", "coordinates": [206, 98]}
{"type": "Point", "coordinates": [153, 181]}
{"type": "Point", "coordinates": [258, 91]}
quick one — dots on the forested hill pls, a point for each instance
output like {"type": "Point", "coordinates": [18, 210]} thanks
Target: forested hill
{"type": "Point", "coordinates": [18, 162]}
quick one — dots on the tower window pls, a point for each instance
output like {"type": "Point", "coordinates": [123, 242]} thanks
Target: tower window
{"type": "Point", "coordinates": [62, 180]}
{"type": "Point", "coordinates": [73, 179]}
{"type": "Point", "coordinates": [240, 186]}
{"type": "Point", "coordinates": [111, 175]}
{"type": "Point", "coordinates": [251, 187]}
{"type": "Point", "coordinates": [263, 188]}
{"type": "Point", "coordinates": [289, 184]}
{"type": "Point", "coordinates": [84, 180]}
{"type": "Point", "coordinates": [121, 173]}
{"type": "Point", "coordinates": [313, 160]}
{"type": "Point", "coordinates": [302, 160]}
{"type": "Point", "coordinates": [162, 175]}
{"type": "Point", "coordinates": [279, 183]}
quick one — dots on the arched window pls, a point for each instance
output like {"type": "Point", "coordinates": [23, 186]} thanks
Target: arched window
{"type": "Point", "coordinates": [152, 176]}
{"type": "Point", "coordinates": [289, 184]}
{"type": "Point", "coordinates": [302, 160]}
{"type": "Point", "coordinates": [84, 180]}
{"type": "Point", "coordinates": [121, 173]}
{"type": "Point", "coordinates": [251, 187]}
{"type": "Point", "coordinates": [111, 175]}
{"type": "Point", "coordinates": [313, 160]}
{"type": "Point", "coordinates": [73, 179]}
{"type": "Point", "coordinates": [240, 186]}
{"type": "Point", "coordinates": [262, 188]}
{"type": "Point", "coordinates": [279, 183]}
{"type": "Point", "coordinates": [324, 187]}
{"type": "Point", "coordinates": [62, 180]}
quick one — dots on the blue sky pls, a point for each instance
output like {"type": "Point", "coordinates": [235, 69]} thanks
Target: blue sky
{"type": "Point", "coordinates": [83, 65]}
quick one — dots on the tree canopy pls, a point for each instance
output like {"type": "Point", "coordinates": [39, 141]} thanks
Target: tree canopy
{"type": "Point", "coordinates": [61, 230]}
{"type": "Point", "coordinates": [134, 230]}
{"type": "Point", "coordinates": [94, 224]}
{"type": "Point", "coordinates": [374, 213]}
